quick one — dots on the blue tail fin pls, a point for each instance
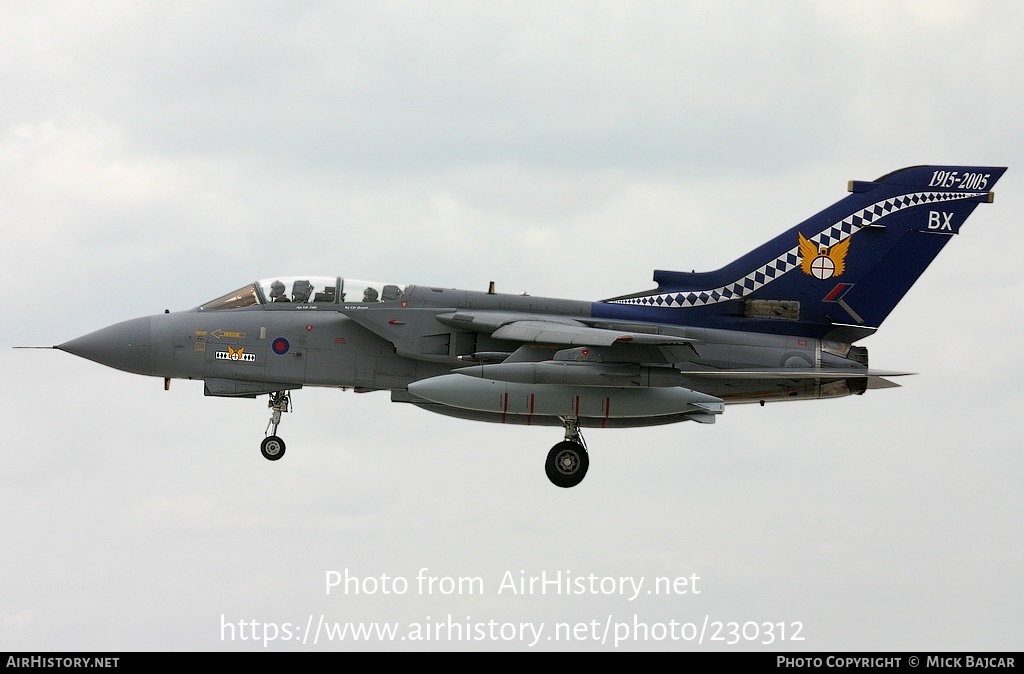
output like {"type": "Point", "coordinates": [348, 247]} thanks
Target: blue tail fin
{"type": "Point", "coordinates": [848, 265]}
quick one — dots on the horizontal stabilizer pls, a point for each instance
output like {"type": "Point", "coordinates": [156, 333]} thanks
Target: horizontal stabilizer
{"type": "Point", "coordinates": [878, 382]}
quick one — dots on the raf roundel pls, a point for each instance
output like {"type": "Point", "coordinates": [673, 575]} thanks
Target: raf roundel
{"type": "Point", "coordinates": [280, 346]}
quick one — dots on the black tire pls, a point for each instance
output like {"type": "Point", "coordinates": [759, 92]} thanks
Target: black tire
{"type": "Point", "coordinates": [272, 448]}
{"type": "Point", "coordinates": [567, 464]}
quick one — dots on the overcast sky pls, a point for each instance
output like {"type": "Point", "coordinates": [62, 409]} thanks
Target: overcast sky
{"type": "Point", "coordinates": [157, 156]}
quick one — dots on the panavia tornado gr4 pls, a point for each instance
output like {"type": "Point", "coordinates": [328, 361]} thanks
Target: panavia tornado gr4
{"type": "Point", "coordinates": [779, 323]}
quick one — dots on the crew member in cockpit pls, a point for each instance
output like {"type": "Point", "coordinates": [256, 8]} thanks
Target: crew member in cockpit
{"type": "Point", "coordinates": [370, 295]}
{"type": "Point", "coordinates": [277, 293]}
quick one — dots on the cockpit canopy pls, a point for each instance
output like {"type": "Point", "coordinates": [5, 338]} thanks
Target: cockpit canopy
{"type": "Point", "coordinates": [284, 291]}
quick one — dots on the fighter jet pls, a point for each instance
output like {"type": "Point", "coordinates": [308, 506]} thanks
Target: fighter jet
{"type": "Point", "coordinates": [778, 324]}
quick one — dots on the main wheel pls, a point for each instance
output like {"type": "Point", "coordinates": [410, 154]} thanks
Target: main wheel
{"type": "Point", "coordinates": [272, 448]}
{"type": "Point", "coordinates": [567, 464]}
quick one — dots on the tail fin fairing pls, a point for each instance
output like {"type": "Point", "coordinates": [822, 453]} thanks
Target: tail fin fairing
{"type": "Point", "coordinates": [848, 265]}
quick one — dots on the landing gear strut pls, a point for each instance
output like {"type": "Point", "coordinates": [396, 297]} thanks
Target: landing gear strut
{"type": "Point", "coordinates": [567, 462]}
{"type": "Point", "coordinates": [272, 446]}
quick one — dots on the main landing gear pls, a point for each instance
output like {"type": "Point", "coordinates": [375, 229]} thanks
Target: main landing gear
{"type": "Point", "coordinates": [567, 462]}
{"type": "Point", "coordinates": [272, 446]}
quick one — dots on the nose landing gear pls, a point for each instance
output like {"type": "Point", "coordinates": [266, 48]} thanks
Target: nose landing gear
{"type": "Point", "coordinates": [272, 446]}
{"type": "Point", "coordinates": [567, 462]}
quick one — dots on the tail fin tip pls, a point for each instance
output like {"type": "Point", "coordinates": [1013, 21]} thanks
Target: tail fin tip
{"type": "Point", "coordinates": [849, 264]}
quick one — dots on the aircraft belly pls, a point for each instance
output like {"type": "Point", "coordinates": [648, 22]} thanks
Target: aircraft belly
{"type": "Point", "coordinates": [772, 390]}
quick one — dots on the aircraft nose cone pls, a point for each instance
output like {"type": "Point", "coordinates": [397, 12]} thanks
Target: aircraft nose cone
{"type": "Point", "coordinates": [126, 346]}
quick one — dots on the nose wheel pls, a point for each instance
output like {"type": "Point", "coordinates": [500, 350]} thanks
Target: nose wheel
{"type": "Point", "coordinates": [272, 446]}
{"type": "Point", "coordinates": [568, 461]}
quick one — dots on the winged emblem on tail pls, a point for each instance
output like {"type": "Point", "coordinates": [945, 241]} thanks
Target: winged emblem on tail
{"type": "Point", "coordinates": [823, 262]}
